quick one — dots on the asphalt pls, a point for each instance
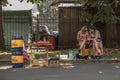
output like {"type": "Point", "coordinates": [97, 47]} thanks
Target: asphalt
{"type": "Point", "coordinates": [90, 71]}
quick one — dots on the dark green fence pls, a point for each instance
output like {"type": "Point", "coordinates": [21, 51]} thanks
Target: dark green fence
{"type": "Point", "coordinates": [16, 23]}
{"type": "Point", "coordinates": [20, 23]}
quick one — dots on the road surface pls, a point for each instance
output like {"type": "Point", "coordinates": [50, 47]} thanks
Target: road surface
{"type": "Point", "coordinates": [99, 71]}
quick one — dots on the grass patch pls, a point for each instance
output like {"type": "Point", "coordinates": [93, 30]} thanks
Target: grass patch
{"type": "Point", "coordinates": [108, 54]}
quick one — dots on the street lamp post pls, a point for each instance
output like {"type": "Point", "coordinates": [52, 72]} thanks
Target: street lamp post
{"type": "Point", "coordinates": [37, 28]}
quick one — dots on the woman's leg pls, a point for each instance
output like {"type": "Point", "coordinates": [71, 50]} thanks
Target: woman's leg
{"type": "Point", "coordinates": [82, 47]}
{"type": "Point", "coordinates": [97, 46]}
{"type": "Point", "coordinates": [101, 46]}
{"type": "Point", "coordinates": [82, 44]}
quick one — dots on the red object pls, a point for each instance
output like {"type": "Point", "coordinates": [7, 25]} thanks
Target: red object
{"type": "Point", "coordinates": [52, 47]}
{"type": "Point", "coordinates": [26, 46]}
{"type": "Point", "coordinates": [45, 34]}
{"type": "Point", "coordinates": [25, 55]}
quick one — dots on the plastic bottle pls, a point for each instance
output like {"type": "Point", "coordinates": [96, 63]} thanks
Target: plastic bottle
{"type": "Point", "coordinates": [71, 54]}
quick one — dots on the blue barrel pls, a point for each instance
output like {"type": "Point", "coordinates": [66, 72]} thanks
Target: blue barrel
{"type": "Point", "coordinates": [17, 58]}
{"type": "Point", "coordinates": [17, 42]}
{"type": "Point", "coordinates": [17, 51]}
{"type": "Point", "coordinates": [17, 65]}
{"type": "Point", "coordinates": [17, 37]}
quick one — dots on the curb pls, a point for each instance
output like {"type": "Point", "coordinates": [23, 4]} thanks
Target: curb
{"type": "Point", "coordinates": [90, 61]}
{"type": "Point", "coordinates": [78, 61]}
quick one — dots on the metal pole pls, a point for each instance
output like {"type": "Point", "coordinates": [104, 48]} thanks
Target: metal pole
{"type": "Point", "coordinates": [37, 34]}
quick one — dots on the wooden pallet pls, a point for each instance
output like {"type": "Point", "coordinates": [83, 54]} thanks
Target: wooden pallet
{"type": "Point", "coordinates": [39, 63]}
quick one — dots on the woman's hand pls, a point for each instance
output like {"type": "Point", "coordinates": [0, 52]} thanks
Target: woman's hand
{"type": "Point", "coordinates": [90, 38]}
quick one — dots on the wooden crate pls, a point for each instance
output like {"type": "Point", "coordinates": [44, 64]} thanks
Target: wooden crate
{"type": "Point", "coordinates": [39, 63]}
{"type": "Point", "coordinates": [54, 63]}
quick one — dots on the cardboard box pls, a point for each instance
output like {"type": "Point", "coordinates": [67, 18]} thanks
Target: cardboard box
{"type": "Point", "coordinates": [54, 62]}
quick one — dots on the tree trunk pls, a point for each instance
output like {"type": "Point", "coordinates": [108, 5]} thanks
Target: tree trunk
{"type": "Point", "coordinates": [2, 45]}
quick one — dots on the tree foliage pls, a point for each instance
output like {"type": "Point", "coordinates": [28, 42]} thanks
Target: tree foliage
{"type": "Point", "coordinates": [100, 11]}
{"type": "Point", "coordinates": [93, 11]}
{"type": "Point", "coordinates": [4, 2]}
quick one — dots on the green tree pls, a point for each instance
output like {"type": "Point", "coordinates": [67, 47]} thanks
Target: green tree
{"type": "Point", "coordinates": [100, 11]}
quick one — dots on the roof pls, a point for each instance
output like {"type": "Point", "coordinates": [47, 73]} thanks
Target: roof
{"type": "Point", "coordinates": [56, 2]}
{"type": "Point", "coordinates": [17, 5]}
{"type": "Point", "coordinates": [65, 3]}
{"type": "Point", "coordinates": [18, 13]}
